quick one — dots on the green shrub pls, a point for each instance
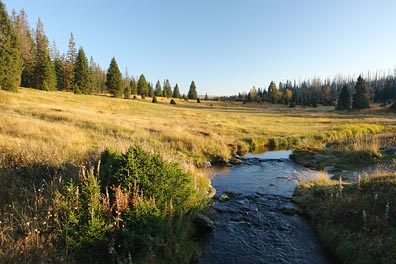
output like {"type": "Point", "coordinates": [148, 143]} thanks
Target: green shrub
{"type": "Point", "coordinates": [85, 228]}
{"type": "Point", "coordinates": [157, 222]}
{"type": "Point", "coordinates": [166, 182]}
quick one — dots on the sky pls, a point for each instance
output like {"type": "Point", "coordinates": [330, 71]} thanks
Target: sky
{"type": "Point", "coordinates": [225, 46]}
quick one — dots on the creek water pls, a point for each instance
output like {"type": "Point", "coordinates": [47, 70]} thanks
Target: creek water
{"type": "Point", "coordinates": [257, 223]}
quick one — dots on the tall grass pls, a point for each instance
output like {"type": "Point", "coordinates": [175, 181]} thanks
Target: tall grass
{"type": "Point", "coordinates": [116, 216]}
{"type": "Point", "coordinates": [353, 220]}
{"type": "Point", "coordinates": [52, 128]}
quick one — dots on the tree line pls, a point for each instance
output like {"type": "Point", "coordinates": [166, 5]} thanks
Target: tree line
{"type": "Point", "coordinates": [356, 94]}
{"type": "Point", "coordinates": [27, 60]}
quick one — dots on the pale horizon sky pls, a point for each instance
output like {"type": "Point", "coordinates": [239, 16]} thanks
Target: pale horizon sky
{"type": "Point", "coordinates": [225, 46]}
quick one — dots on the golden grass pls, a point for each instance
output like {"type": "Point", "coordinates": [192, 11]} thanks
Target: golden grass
{"type": "Point", "coordinates": [315, 179]}
{"type": "Point", "coordinates": [51, 128]}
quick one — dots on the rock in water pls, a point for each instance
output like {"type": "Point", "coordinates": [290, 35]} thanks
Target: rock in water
{"type": "Point", "coordinates": [203, 224]}
{"type": "Point", "coordinates": [235, 161]}
{"type": "Point", "coordinates": [206, 164]}
{"type": "Point", "coordinates": [211, 192]}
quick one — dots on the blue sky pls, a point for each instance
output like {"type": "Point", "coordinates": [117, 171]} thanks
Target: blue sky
{"type": "Point", "coordinates": [226, 46]}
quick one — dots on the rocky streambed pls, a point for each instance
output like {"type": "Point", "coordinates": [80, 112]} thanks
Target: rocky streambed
{"type": "Point", "coordinates": [255, 220]}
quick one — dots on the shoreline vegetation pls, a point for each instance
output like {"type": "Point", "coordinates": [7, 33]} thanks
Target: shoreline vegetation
{"type": "Point", "coordinates": [74, 168]}
{"type": "Point", "coordinates": [350, 201]}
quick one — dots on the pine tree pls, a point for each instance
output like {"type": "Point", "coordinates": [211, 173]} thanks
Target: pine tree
{"type": "Point", "coordinates": [27, 48]}
{"type": "Point", "coordinates": [158, 89]}
{"type": "Point", "coordinates": [176, 92]}
{"type": "Point", "coordinates": [142, 86]}
{"type": "Point", "coordinates": [273, 93]}
{"type": "Point", "coordinates": [133, 86]}
{"type": "Point", "coordinates": [206, 97]}
{"type": "Point", "coordinates": [10, 56]}
{"type": "Point", "coordinates": [114, 80]}
{"type": "Point", "coordinates": [98, 77]}
{"type": "Point", "coordinates": [360, 97]}
{"type": "Point", "coordinates": [127, 89]}
{"type": "Point", "coordinates": [344, 100]}
{"type": "Point", "coordinates": [192, 93]}
{"type": "Point", "coordinates": [45, 78]}
{"type": "Point", "coordinates": [82, 76]}
{"type": "Point", "coordinates": [167, 89]}
{"type": "Point", "coordinates": [59, 65]}
{"type": "Point", "coordinates": [127, 92]}
{"type": "Point", "coordinates": [150, 91]}
{"type": "Point", "coordinates": [71, 58]}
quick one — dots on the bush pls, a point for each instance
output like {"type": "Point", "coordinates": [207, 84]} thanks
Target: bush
{"type": "Point", "coordinates": [154, 101]}
{"type": "Point", "coordinates": [173, 102]}
{"type": "Point", "coordinates": [139, 209]}
{"type": "Point", "coordinates": [162, 194]}
{"type": "Point", "coordinates": [165, 182]}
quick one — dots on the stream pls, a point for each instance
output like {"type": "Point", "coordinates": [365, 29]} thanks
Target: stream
{"type": "Point", "coordinates": [255, 220]}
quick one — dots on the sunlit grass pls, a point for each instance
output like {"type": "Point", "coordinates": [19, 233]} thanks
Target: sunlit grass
{"type": "Point", "coordinates": [39, 127]}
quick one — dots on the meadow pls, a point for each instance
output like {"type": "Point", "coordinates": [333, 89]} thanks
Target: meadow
{"type": "Point", "coordinates": [54, 128]}
{"type": "Point", "coordinates": [83, 174]}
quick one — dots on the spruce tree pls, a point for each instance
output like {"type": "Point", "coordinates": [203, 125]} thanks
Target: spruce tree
{"type": "Point", "coordinates": [114, 80]}
{"type": "Point", "coordinates": [167, 89]}
{"type": "Point", "coordinates": [176, 92]}
{"type": "Point", "coordinates": [45, 78]}
{"type": "Point", "coordinates": [127, 92]}
{"type": "Point", "coordinates": [71, 58]}
{"type": "Point", "coordinates": [192, 93]}
{"type": "Point", "coordinates": [10, 56]}
{"type": "Point", "coordinates": [360, 97]}
{"type": "Point", "coordinates": [344, 100]}
{"type": "Point", "coordinates": [27, 48]}
{"type": "Point", "coordinates": [82, 76]}
{"type": "Point", "coordinates": [150, 92]}
{"type": "Point", "coordinates": [273, 93]}
{"type": "Point", "coordinates": [133, 86]}
{"type": "Point", "coordinates": [98, 77]}
{"type": "Point", "coordinates": [59, 65]}
{"type": "Point", "coordinates": [158, 89]}
{"type": "Point", "coordinates": [142, 86]}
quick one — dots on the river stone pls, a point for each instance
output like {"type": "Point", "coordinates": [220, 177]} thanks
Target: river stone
{"type": "Point", "coordinates": [235, 161]}
{"type": "Point", "coordinates": [203, 224]}
{"type": "Point", "coordinates": [329, 168]}
{"type": "Point", "coordinates": [206, 164]}
{"type": "Point", "coordinates": [288, 210]}
{"type": "Point", "coordinates": [389, 150]}
{"type": "Point", "coordinates": [224, 197]}
{"type": "Point", "coordinates": [211, 192]}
